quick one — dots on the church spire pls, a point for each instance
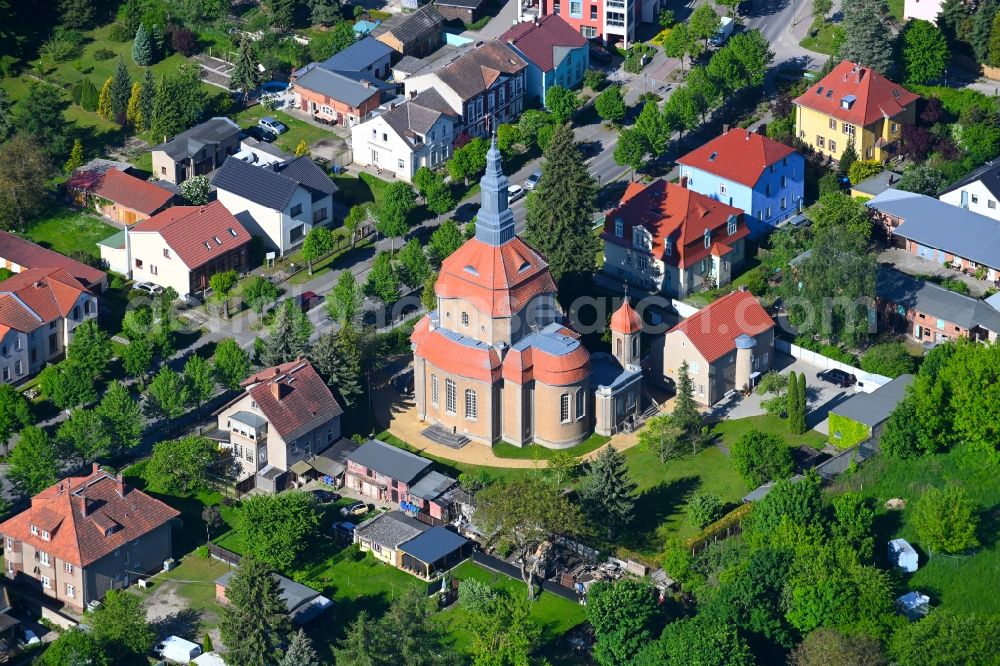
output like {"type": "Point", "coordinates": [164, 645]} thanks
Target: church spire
{"type": "Point", "coordinates": [495, 220]}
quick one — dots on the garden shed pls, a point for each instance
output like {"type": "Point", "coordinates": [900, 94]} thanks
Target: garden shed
{"type": "Point", "coordinates": [903, 555]}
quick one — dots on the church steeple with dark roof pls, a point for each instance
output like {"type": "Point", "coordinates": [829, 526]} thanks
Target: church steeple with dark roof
{"type": "Point", "coordinates": [495, 221]}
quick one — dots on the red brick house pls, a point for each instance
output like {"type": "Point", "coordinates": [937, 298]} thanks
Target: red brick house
{"type": "Point", "coordinates": [118, 196]}
{"type": "Point", "coordinates": [383, 472]}
{"type": "Point", "coordinates": [334, 98]}
{"type": "Point", "coordinates": [86, 535]}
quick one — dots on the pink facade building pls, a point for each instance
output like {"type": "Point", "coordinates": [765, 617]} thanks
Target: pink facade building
{"type": "Point", "coordinates": [613, 21]}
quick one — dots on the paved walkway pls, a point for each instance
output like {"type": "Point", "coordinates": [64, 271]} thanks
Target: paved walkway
{"type": "Point", "coordinates": [399, 415]}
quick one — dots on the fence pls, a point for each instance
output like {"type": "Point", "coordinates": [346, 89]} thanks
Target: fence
{"type": "Point", "coordinates": [826, 363]}
{"type": "Point", "coordinates": [223, 555]}
{"type": "Point", "coordinates": [508, 569]}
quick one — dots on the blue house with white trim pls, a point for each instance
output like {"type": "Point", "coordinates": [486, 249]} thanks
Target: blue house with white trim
{"type": "Point", "coordinates": [747, 170]}
{"type": "Point", "coordinates": [556, 54]}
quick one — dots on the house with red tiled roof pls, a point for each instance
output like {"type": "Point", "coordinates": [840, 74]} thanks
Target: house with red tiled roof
{"type": "Point", "coordinates": [557, 55]}
{"type": "Point", "coordinates": [854, 104]}
{"type": "Point", "coordinates": [39, 310]}
{"type": "Point", "coordinates": [494, 360]}
{"type": "Point", "coordinates": [762, 177]}
{"type": "Point", "coordinates": [727, 346]}
{"type": "Point", "coordinates": [18, 254]}
{"type": "Point", "coordinates": [285, 416]}
{"type": "Point", "coordinates": [181, 247]}
{"type": "Point", "coordinates": [118, 195]}
{"type": "Point", "coordinates": [667, 237]}
{"type": "Point", "coordinates": [86, 535]}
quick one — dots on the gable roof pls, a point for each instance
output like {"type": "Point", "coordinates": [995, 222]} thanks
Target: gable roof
{"type": "Point", "coordinates": [539, 40]}
{"type": "Point", "coordinates": [30, 255]}
{"type": "Point", "coordinates": [293, 398]}
{"type": "Point", "coordinates": [670, 211]}
{"type": "Point", "coordinates": [878, 183]}
{"type": "Point", "coordinates": [738, 155]}
{"type": "Point", "coordinates": [868, 95]}
{"type": "Point", "coordinates": [988, 175]}
{"type": "Point", "coordinates": [359, 56]}
{"type": "Point", "coordinates": [873, 408]}
{"type": "Point", "coordinates": [197, 234]}
{"type": "Point", "coordinates": [338, 86]}
{"type": "Point", "coordinates": [432, 485]}
{"type": "Point", "coordinates": [416, 116]}
{"type": "Point", "coordinates": [189, 142]}
{"type": "Point", "coordinates": [390, 529]}
{"type": "Point", "coordinates": [123, 189]}
{"type": "Point", "coordinates": [294, 595]}
{"type": "Point", "coordinates": [88, 517]}
{"type": "Point", "coordinates": [936, 224]}
{"type": "Point", "coordinates": [433, 544]}
{"type": "Point", "coordinates": [49, 293]}
{"type": "Point", "coordinates": [713, 329]}
{"type": "Point", "coordinates": [473, 68]}
{"type": "Point", "coordinates": [388, 460]}
{"type": "Point", "coordinates": [934, 300]}
{"type": "Point", "coordinates": [409, 28]}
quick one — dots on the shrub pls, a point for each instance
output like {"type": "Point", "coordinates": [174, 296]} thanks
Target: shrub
{"type": "Point", "coordinates": [207, 644]}
{"type": "Point", "coordinates": [957, 286]}
{"type": "Point", "coordinates": [890, 359]}
{"type": "Point", "coordinates": [593, 78]}
{"type": "Point", "coordinates": [202, 552]}
{"type": "Point", "coordinates": [120, 32]}
{"type": "Point", "coordinates": [103, 54]}
{"type": "Point", "coordinates": [704, 509]}
{"type": "Point", "coordinates": [184, 42]}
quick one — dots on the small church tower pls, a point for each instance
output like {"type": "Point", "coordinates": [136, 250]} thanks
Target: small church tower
{"type": "Point", "coordinates": [626, 326]}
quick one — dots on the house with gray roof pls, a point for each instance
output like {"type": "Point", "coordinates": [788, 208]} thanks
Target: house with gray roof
{"type": "Point", "coordinates": [930, 314]}
{"type": "Point", "coordinates": [280, 202]}
{"type": "Point", "coordinates": [411, 545]}
{"type": "Point", "coordinates": [367, 55]}
{"type": "Point", "coordinates": [337, 97]}
{"type": "Point", "coordinates": [419, 132]}
{"type": "Point", "coordinates": [876, 185]}
{"type": "Point", "coordinates": [430, 496]}
{"type": "Point", "coordinates": [862, 417]}
{"type": "Point", "coordinates": [940, 232]}
{"type": "Point", "coordinates": [383, 471]}
{"type": "Point", "coordinates": [196, 152]}
{"type": "Point", "coordinates": [302, 603]}
{"type": "Point", "coordinates": [416, 34]}
{"type": "Point", "coordinates": [385, 533]}
{"type": "Point", "coordinates": [978, 191]}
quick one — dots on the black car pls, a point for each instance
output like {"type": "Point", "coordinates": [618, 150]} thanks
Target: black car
{"type": "Point", "coordinates": [324, 496]}
{"type": "Point", "coordinates": [260, 134]}
{"type": "Point", "coordinates": [838, 377]}
{"type": "Point", "coordinates": [589, 149]}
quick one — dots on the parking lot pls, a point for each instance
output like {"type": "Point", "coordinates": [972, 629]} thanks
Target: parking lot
{"type": "Point", "coordinates": [822, 396]}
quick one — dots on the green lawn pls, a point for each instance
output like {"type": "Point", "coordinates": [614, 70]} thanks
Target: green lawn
{"type": "Point", "coordinates": [298, 130]}
{"type": "Point", "coordinates": [193, 580]}
{"type": "Point", "coordinates": [365, 188]}
{"type": "Point", "coordinates": [538, 452]}
{"type": "Point", "coordinates": [958, 583]}
{"type": "Point", "coordinates": [554, 615]}
{"type": "Point", "coordinates": [824, 41]}
{"type": "Point", "coordinates": [332, 262]}
{"type": "Point", "coordinates": [69, 230]}
{"type": "Point", "coordinates": [896, 9]}
{"type": "Point", "coordinates": [731, 430]}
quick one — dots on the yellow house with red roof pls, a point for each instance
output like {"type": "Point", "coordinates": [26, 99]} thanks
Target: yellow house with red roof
{"type": "Point", "coordinates": [854, 104]}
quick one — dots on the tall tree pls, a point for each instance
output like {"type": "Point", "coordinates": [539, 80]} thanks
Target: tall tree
{"type": "Point", "coordinates": [24, 170]}
{"type": "Point", "coordinates": [504, 634]}
{"type": "Point", "coordinates": [383, 279]}
{"type": "Point", "coordinates": [651, 127]}
{"type": "Point", "coordinates": [609, 492]}
{"type": "Point", "coordinates": [867, 37]}
{"type": "Point", "coordinates": [630, 150]}
{"type": "Point", "coordinates": [318, 243]}
{"type": "Point", "coordinates": [14, 413]}
{"type": "Point", "coordinates": [39, 115]}
{"type": "Point", "coordinates": [245, 76]}
{"type": "Point", "coordinates": [946, 637]}
{"type": "Point", "coordinates": [680, 43]}
{"type": "Point", "coordinates": [133, 113]}
{"type": "Point", "coordinates": [523, 513]}
{"type": "Point", "coordinates": [255, 619]}
{"type": "Point", "coordinates": [340, 357]}
{"type": "Point", "coordinates": [137, 358]}
{"type": "Point", "coordinates": [120, 626]}
{"type": "Point", "coordinates": [956, 22]}
{"type": "Point", "coordinates": [699, 641]}
{"type": "Point", "coordinates": [222, 285]}
{"type": "Point", "coordinates": [199, 380]}
{"type": "Point", "coordinates": [168, 394]}
{"type": "Point", "coordinates": [121, 90]}
{"type": "Point", "coordinates": [469, 161]}
{"type": "Point", "coordinates": [925, 52]}
{"type": "Point", "coordinates": [287, 337]}
{"type": "Point", "coordinates": [792, 400]}
{"type": "Point", "coordinates": [181, 466]}
{"type": "Point", "coordinates": [147, 95]}
{"type": "Point", "coordinates": [300, 651]}
{"type": "Point", "coordinates": [982, 28]}
{"type": "Point", "coordinates": [76, 157]}
{"type": "Point", "coordinates": [625, 616]}
{"type": "Point", "coordinates": [413, 263]}
{"type": "Point", "coordinates": [759, 457]}
{"type": "Point", "coordinates": [232, 364]}
{"type": "Point", "coordinates": [179, 101]}
{"type": "Point", "coordinates": [34, 462]}
{"type": "Point", "coordinates": [662, 436]}
{"type": "Point", "coordinates": [76, 14]}
{"type": "Point", "coordinates": [610, 105]}
{"type": "Point", "coordinates": [75, 647]}
{"type": "Point", "coordinates": [277, 529]}
{"type": "Point", "coordinates": [105, 109]}
{"type": "Point", "coordinates": [84, 436]}
{"type": "Point", "coordinates": [704, 23]}
{"type": "Point", "coordinates": [281, 12]}
{"type": "Point", "coordinates": [259, 292]}
{"type": "Point", "coordinates": [397, 201]}
{"type": "Point", "coordinates": [343, 303]}
{"type": "Point", "coordinates": [559, 210]}
{"type": "Point", "coordinates": [444, 240]}
{"type": "Point", "coordinates": [90, 348]}
{"type": "Point", "coordinates": [686, 415]}
{"type": "Point", "coordinates": [946, 520]}
{"type": "Point", "coordinates": [6, 120]}
{"type": "Point", "coordinates": [67, 385]}
{"type": "Point", "coordinates": [142, 47]}
{"type": "Point", "coordinates": [122, 416]}
{"type": "Point", "coordinates": [562, 102]}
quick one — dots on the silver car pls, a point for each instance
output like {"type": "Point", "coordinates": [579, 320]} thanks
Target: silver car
{"type": "Point", "coordinates": [532, 181]}
{"type": "Point", "coordinates": [272, 125]}
{"type": "Point", "coordinates": [515, 192]}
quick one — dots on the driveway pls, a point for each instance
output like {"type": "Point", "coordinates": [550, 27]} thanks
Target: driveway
{"type": "Point", "coordinates": [911, 264]}
{"type": "Point", "coordinates": [821, 396]}
{"type": "Point", "coordinates": [500, 23]}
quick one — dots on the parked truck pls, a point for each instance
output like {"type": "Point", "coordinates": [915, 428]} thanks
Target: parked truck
{"type": "Point", "coordinates": [726, 26]}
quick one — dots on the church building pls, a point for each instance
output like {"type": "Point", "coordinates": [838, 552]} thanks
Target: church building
{"type": "Point", "coordinates": [496, 362]}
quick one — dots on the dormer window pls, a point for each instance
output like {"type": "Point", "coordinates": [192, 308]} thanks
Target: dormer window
{"type": "Point", "coordinates": [34, 530]}
{"type": "Point", "coordinates": [847, 101]}
{"type": "Point", "coordinates": [638, 238]}
{"type": "Point", "coordinates": [668, 247]}
{"type": "Point", "coordinates": [619, 227]}
{"type": "Point", "coordinates": [711, 158]}
{"type": "Point", "coordinates": [731, 226]}
{"type": "Point", "coordinates": [45, 535]}
{"type": "Point", "coordinates": [708, 237]}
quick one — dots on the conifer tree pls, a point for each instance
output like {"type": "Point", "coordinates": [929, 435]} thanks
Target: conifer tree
{"type": "Point", "coordinates": [300, 652]}
{"type": "Point", "coordinates": [104, 107]}
{"type": "Point", "coordinates": [791, 399]}
{"type": "Point", "coordinates": [133, 113]}
{"type": "Point", "coordinates": [142, 47]}
{"type": "Point", "coordinates": [76, 157]}
{"type": "Point", "coordinates": [559, 210]}
{"type": "Point", "coordinates": [868, 40]}
{"type": "Point", "coordinates": [147, 93]}
{"type": "Point", "coordinates": [121, 90]}
{"type": "Point", "coordinates": [803, 426]}
{"type": "Point", "coordinates": [245, 77]}
{"type": "Point", "coordinates": [609, 491]}
{"type": "Point", "coordinates": [686, 415]}
{"type": "Point", "coordinates": [255, 619]}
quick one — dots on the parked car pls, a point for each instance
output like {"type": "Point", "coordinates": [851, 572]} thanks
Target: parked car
{"type": "Point", "coordinates": [532, 181]}
{"type": "Point", "coordinates": [30, 637]}
{"type": "Point", "coordinates": [589, 149]}
{"type": "Point", "coordinates": [261, 134]}
{"type": "Point", "coordinates": [356, 509]}
{"type": "Point", "coordinates": [324, 496]}
{"type": "Point", "coordinates": [308, 300]}
{"type": "Point", "coordinates": [600, 54]}
{"type": "Point", "coordinates": [272, 125]}
{"type": "Point", "coordinates": [344, 529]}
{"type": "Point", "coordinates": [515, 192]}
{"type": "Point", "coordinates": [148, 287]}
{"type": "Point", "coordinates": [838, 377]}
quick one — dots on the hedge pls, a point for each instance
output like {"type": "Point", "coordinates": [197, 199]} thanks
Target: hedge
{"type": "Point", "coordinates": [731, 519]}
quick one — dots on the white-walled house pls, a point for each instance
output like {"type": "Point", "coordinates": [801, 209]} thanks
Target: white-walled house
{"type": "Point", "coordinates": [979, 191]}
{"type": "Point", "coordinates": [39, 310]}
{"type": "Point", "coordinates": [419, 132]}
{"type": "Point", "coordinates": [278, 202]}
{"type": "Point", "coordinates": [182, 247]}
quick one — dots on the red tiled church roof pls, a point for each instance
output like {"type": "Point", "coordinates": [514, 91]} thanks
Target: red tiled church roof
{"type": "Point", "coordinates": [667, 210]}
{"type": "Point", "coordinates": [88, 517]}
{"type": "Point", "coordinates": [452, 357]}
{"type": "Point", "coordinates": [123, 189]}
{"type": "Point", "coordinates": [739, 155]}
{"type": "Point", "coordinates": [875, 96]}
{"type": "Point", "coordinates": [293, 398]}
{"type": "Point", "coordinates": [626, 320]}
{"type": "Point", "coordinates": [713, 329]}
{"type": "Point", "coordinates": [197, 234]}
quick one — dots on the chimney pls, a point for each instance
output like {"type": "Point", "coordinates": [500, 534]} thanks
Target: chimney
{"type": "Point", "coordinates": [95, 468]}
{"type": "Point", "coordinates": [684, 182]}
{"type": "Point", "coordinates": [762, 129]}
{"type": "Point", "coordinates": [120, 485]}
{"type": "Point", "coordinates": [277, 390]}
{"type": "Point", "coordinates": [366, 83]}
{"type": "Point", "coordinates": [861, 74]}
{"type": "Point", "coordinates": [749, 133]}
{"type": "Point", "coordinates": [725, 128]}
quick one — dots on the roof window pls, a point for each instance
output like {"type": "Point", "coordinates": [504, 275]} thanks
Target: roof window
{"type": "Point", "coordinates": [711, 158]}
{"type": "Point", "coordinates": [471, 269]}
{"type": "Point", "coordinates": [896, 93]}
{"type": "Point", "coordinates": [829, 93]}
{"type": "Point", "coordinates": [232, 232]}
{"type": "Point", "coordinates": [819, 91]}
{"type": "Point", "coordinates": [217, 241]}
{"type": "Point", "coordinates": [208, 246]}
